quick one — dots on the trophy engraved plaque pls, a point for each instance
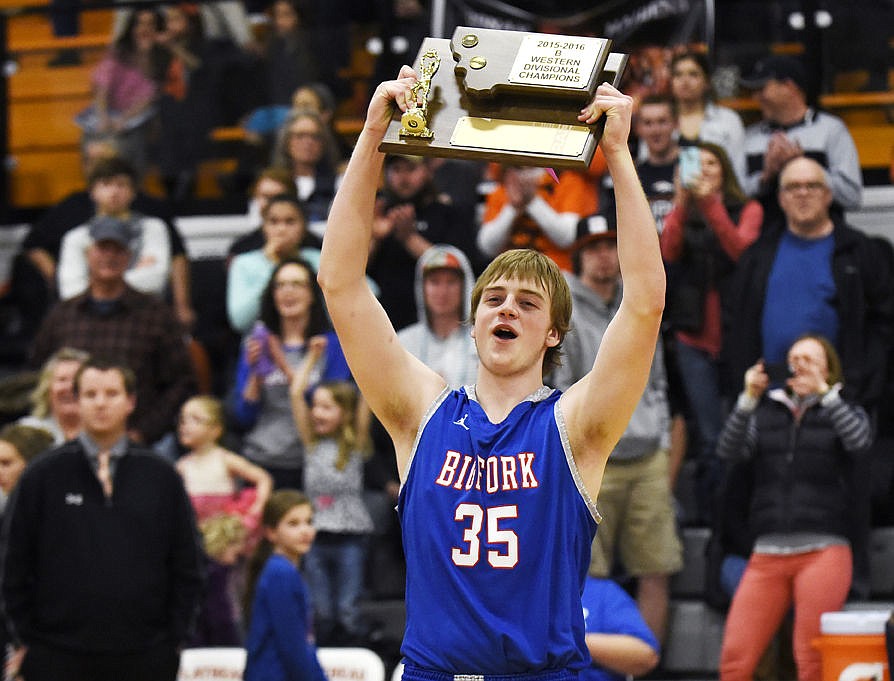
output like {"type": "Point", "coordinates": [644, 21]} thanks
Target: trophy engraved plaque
{"type": "Point", "coordinates": [511, 97]}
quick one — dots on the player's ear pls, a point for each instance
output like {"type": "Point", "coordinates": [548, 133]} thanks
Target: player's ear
{"type": "Point", "coordinates": [552, 338]}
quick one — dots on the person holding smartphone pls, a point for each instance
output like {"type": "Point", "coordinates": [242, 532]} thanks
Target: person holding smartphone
{"type": "Point", "coordinates": [690, 165]}
{"type": "Point", "coordinates": [711, 223]}
{"type": "Point", "coordinates": [803, 440]}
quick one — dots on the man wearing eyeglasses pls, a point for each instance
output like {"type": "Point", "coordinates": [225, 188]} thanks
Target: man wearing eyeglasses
{"type": "Point", "coordinates": [816, 275]}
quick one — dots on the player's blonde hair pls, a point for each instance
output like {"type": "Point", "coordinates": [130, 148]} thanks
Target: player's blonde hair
{"type": "Point", "coordinates": [525, 264]}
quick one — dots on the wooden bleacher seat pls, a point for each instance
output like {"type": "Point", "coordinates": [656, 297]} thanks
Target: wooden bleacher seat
{"type": "Point", "coordinates": [835, 102]}
{"type": "Point", "coordinates": [228, 133]}
{"type": "Point", "coordinates": [42, 178]}
{"type": "Point", "coordinates": [76, 42]}
{"type": "Point", "coordinates": [349, 128]}
{"type": "Point", "coordinates": [34, 83]}
{"type": "Point", "coordinates": [44, 142]}
{"type": "Point", "coordinates": [33, 32]}
{"type": "Point", "coordinates": [875, 144]}
{"type": "Point", "coordinates": [47, 124]}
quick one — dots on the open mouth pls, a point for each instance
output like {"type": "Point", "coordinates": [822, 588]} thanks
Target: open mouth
{"type": "Point", "coordinates": [504, 333]}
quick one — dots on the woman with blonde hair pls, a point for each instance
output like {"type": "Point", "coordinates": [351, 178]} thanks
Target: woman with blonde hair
{"type": "Point", "coordinates": [54, 405]}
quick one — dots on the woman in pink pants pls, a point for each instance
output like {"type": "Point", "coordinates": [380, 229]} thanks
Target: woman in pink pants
{"type": "Point", "coordinates": [802, 437]}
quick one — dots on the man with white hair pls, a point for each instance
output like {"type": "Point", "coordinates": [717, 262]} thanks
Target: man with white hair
{"type": "Point", "coordinates": [817, 275]}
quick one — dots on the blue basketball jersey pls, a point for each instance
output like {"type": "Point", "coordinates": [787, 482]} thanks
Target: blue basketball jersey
{"type": "Point", "coordinates": [497, 529]}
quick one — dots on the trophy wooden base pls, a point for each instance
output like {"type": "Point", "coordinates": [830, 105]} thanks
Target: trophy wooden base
{"type": "Point", "coordinates": [500, 99]}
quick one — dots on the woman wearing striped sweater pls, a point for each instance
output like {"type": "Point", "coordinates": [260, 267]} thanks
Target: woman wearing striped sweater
{"type": "Point", "coordinates": [803, 439]}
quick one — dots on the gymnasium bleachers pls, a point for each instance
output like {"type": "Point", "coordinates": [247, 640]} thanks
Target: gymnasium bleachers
{"type": "Point", "coordinates": [45, 167]}
{"type": "Point", "coordinates": [43, 139]}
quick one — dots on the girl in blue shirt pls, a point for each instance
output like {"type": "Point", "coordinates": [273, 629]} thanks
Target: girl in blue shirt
{"type": "Point", "coordinates": [280, 641]}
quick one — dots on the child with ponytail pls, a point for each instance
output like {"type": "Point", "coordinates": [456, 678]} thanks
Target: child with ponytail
{"type": "Point", "coordinates": [280, 642]}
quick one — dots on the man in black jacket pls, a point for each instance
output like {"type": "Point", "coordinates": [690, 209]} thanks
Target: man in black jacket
{"type": "Point", "coordinates": [411, 215]}
{"type": "Point", "coordinates": [102, 571]}
{"type": "Point", "coordinates": [817, 275]}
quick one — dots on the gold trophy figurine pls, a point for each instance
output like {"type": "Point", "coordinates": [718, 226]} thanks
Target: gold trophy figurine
{"type": "Point", "coordinates": [413, 122]}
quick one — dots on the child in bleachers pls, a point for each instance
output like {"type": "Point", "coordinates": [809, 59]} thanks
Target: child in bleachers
{"type": "Point", "coordinates": [211, 473]}
{"type": "Point", "coordinates": [219, 624]}
{"type": "Point", "coordinates": [280, 642]}
{"type": "Point", "coordinates": [336, 439]}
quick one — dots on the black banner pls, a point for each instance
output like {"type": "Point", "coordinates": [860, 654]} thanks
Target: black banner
{"type": "Point", "coordinates": [629, 23]}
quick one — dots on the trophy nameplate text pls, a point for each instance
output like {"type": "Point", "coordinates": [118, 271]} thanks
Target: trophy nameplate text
{"type": "Point", "coordinates": [506, 96]}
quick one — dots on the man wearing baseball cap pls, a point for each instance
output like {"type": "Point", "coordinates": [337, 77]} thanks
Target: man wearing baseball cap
{"type": "Point", "coordinates": [112, 189]}
{"type": "Point", "coordinates": [113, 319]}
{"type": "Point", "coordinates": [411, 215]}
{"type": "Point", "coordinates": [791, 128]}
{"type": "Point", "coordinates": [636, 488]}
{"type": "Point", "coordinates": [441, 338]}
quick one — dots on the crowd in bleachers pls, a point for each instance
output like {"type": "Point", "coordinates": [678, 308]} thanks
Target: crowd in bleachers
{"type": "Point", "coordinates": [779, 320]}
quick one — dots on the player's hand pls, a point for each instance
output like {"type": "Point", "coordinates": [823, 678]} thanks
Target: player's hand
{"type": "Point", "coordinates": [618, 110]}
{"type": "Point", "coordinates": [387, 95]}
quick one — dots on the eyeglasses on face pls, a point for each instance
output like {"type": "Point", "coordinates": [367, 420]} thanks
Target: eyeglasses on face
{"type": "Point", "coordinates": [282, 284]}
{"type": "Point", "coordinates": [305, 135]}
{"type": "Point", "coordinates": [811, 187]}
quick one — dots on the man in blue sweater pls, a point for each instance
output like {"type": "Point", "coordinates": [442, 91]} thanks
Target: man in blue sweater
{"type": "Point", "coordinates": [102, 569]}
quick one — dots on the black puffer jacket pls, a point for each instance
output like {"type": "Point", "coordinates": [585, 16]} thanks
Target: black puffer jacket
{"type": "Point", "coordinates": [801, 473]}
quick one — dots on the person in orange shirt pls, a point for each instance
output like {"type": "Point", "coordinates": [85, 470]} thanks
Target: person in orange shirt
{"type": "Point", "coordinates": [529, 209]}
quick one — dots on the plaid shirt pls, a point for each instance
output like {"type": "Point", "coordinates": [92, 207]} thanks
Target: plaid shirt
{"type": "Point", "coordinates": [142, 333]}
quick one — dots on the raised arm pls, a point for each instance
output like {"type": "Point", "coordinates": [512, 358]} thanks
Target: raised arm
{"type": "Point", "coordinates": [398, 387]}
{"type": "Point", "coordinates": [598, 407]}
{"type": "Point", "coordinates": [298, 387]}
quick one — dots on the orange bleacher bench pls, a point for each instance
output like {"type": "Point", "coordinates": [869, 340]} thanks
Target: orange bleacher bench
{"type": "Point", "coordinates": [76, 42]}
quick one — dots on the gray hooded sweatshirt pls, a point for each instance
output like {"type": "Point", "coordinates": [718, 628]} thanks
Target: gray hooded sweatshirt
{"type": "Point", "coordinates": [455, 357]}
{"type": "Point", "coordinates": [649, 426]}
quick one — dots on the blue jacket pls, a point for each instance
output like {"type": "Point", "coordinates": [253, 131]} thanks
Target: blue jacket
{"type": "Point", "coordinates": [279, 641]}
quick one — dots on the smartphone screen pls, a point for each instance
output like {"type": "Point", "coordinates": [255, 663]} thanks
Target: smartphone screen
{"type": "Point", "coordinates": [778, 372]}
{"type": "Point", "coordinates": [690, 165]}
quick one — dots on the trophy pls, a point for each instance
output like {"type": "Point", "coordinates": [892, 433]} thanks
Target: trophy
{"type": "Point", "coordinates": [511, 97]}
{"type": "Point", "coordinates": [414, 122]}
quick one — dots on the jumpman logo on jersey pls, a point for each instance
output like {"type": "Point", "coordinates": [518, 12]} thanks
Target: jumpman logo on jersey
{"type": "Point", "coordinates": [462, 421]}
